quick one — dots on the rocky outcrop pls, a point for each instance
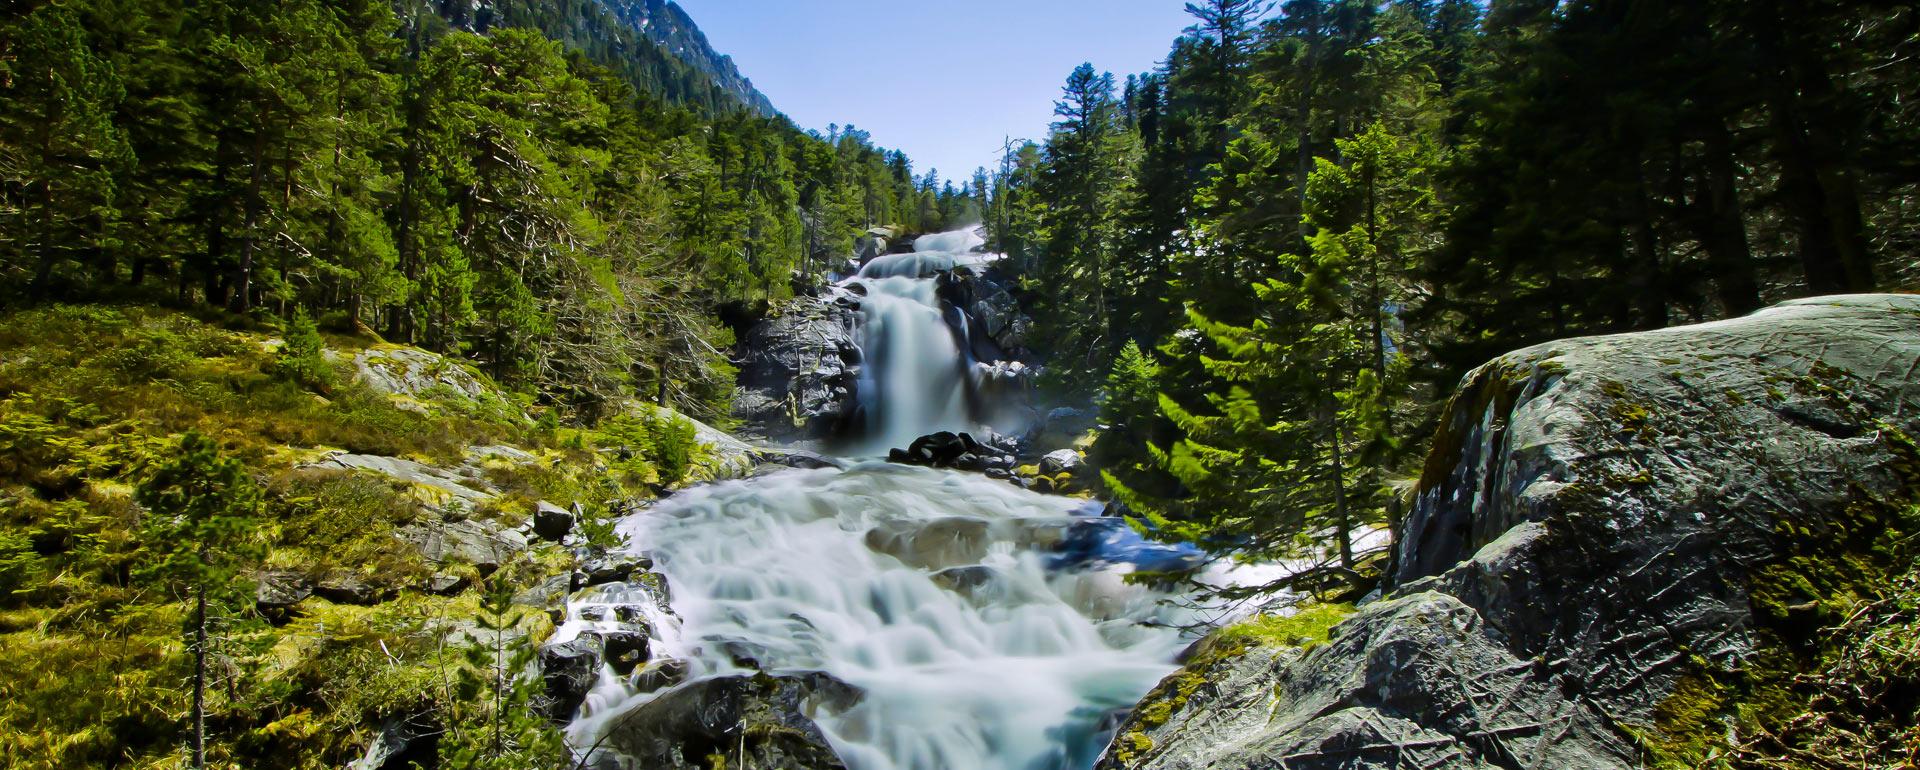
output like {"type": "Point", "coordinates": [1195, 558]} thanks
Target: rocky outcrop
{"type": "Point", "coordinates": [1614, 539]}
{"type": "Point", "coordinates": [758, 721]}
{"type": "Point", "coordinates": [799, 369]}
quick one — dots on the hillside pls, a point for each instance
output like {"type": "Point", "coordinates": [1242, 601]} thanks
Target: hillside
{"type": "Point", "coordinates": [655, 45]}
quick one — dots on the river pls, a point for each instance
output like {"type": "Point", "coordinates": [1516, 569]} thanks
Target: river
{"type": "Point", "coordinates": [979, 638]}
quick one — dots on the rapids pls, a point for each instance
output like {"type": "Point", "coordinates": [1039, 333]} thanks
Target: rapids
{"type": "Point", "coordinates": [988, 627]}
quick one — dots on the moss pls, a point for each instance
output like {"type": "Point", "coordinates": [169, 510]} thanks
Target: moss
{"type": "Point", "coordinates": [1824, 572]}
{"type": "Point", "coordinates": [1309, 626]}
{"type": "Point", "coordinates": [1312, 625]}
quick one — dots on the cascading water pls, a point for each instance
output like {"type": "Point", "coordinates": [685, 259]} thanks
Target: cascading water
{"type": "Point", "coordinates": [918, 374]}
{"type": "Point", "coordinates": [985, 626]}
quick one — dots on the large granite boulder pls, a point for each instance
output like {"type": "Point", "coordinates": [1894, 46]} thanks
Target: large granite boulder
{"type": "Point", "coordinates": [759, 721]}
{"type": "Point", "coordinates": [799, 369]}
{"type": "Point", "coordinates": [1620, 546]}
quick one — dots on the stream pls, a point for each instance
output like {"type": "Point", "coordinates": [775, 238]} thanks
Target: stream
{"type": "Point", "coordinates": [986, 626]}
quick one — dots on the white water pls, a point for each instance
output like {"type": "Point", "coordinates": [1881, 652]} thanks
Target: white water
{"type": "Point", "coordinates": [915, 375]}
{"type": "Point", "coordinates": [835, 571]}
{"type": "Point", "coordinates": [841, 572]}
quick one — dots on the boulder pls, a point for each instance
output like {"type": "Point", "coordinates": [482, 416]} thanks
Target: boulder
{"type": "Point", "coordinates": [1609, 536]}
{"type": "Point", "coordinates": [467, 542]}
{"type": "Point", "coordinates": [1060, 461]}
{"type": "Point", "coordinates": [661, 674]}
{"type": "Point", "coordinates": [569, 670]}
{"type": "Point", "coordinates": [624, 648]}
{"type": "Point", "coordinates": [351, 589]}
{"type": "Point", "coordinates": [761, 721]}
{"type": "Point", "coordinates": [799, 369]}
{"type": "Point", "coordinates": [609, 568]}
{"type": "Point", "coordinates": [551, 522]}
{"type": "Point", "coordinates": [1060, 428]}
{"type": "Point", "coordinates": [959, 451]}
{"type": "Point", "coordinates": [277, 592]}
{"type": "Point", "coordinates": [450, 487]}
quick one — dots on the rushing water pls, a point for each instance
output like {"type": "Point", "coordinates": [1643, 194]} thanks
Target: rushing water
{"type": "Point", "coordinates": [988, 627]}
{"type": "Point", "coordinates": [918, 375]}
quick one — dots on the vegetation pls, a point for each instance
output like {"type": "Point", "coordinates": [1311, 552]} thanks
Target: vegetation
{"type": "Point", "coordinates": [574, 222]}
{"type": "Point", "coordinates": [1272, 252]}
{"type": "Point", "coordinates": [149, 459]}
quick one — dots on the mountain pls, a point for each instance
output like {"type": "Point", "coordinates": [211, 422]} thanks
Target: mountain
{"type": "Point", "coordinates": [654, 44]}
{"type": "Point", "coordinates": [668, 26]}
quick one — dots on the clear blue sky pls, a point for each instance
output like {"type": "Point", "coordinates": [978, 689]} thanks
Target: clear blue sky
{"type": "Point", "coordinates": [944, 80]}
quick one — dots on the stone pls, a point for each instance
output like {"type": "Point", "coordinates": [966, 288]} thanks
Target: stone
{"type": "Point", "coordinates": [1060, 461]}
{"type": "Point", "coordinates": [276, 592]}
{"type": "Point", "coordinates": [798, 369]}
{"type": "Point", "coordinates": [1061, 427]}
{"type": "Point", "coordinates": [610, 568]}
{"type": "Point", "coordinates": [449, 485]}
{"type": "Point", "coordinates": [446, 584]}
{"type": "Point", "coordinates": [464, 542]}
{"type": "Point", "coordinates": [625, 648]}
{"type": "Point", "coordinates": [403, 744]}
{"type": "Point", "coordinates": [569, 670]}
{"type": "Point", "coordinates": [661, 674]}
{"type": "Point", "coordinates": [759, 721]}
{"type": "Point", "coordinates": [549, 596]}
{"type": "Point", "coordinates": [551, 522]}
{"type": "Point", "coordinates": [350, 589]}
{"type": "Point", "coordinates": [1581, 545]}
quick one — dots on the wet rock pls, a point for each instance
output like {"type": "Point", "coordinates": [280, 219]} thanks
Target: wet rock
{"type": "Point", "coordinates": [764, 722]}
{"type": "Point", "coordinates": [1586, 533]}
{"type": "Point", "coordinates": [958, 451]}
{"type": "Point", "coordinates": [1060, 461]}
{"type": "Point", "coordinates": [609, 568]}
{"type": "Point", "coordinates": [551, 522]}
{"type": "Point", "coordinates": [402, 744]}
{"type": "Point", "coordinates": [624, 649]}
{"type": "Point", "coordinates": [944, 542]}
{"type": "Point", "coordinates": [570, 670]}
{"type": "Point", "coordinates": [798, 369]}
{"type": "Point", "coordinates": [661, 674]}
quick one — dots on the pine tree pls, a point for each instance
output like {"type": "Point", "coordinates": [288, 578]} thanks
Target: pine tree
{"type": "Point", "coordinates": [493, 722]}
{"type": "Point", "coordinates": [201, 527]}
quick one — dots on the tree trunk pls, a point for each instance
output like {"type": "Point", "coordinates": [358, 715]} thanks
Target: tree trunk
{"type": "Point", "coordinates": [1723, 227]}
{"type": "Point", "coordinates": [200, 677]}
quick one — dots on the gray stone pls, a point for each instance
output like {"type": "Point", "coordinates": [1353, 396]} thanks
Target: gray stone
{"type": "Point", "coordinates": [765, 718]}
{"type": "Point", "coordinates": [625, 648]}
{"type": "Point", "coordinates": [610, 568]}
{"type": "Point", "coordinates": [414, 374]}
{"type": "Point", "coordinates": [1581, 542]}
{"type": "Point", "coordinates": [549, 595]}
{"type": "Point", "coordinates": [798, 369]}
{"type": "Point", "coordinates": [468, 542]}
{"type": "Point", "coordinates": [455, 487]}
{"type": "Point", "coordinates": [551, 522]}
{"type": "Point", "coordinates": [278, 591]}
{"type": "Point", "coordinates": [569, 670]}
{"type": "Point", "coordinates": [351, 589]}
{"type": "Point", "coordinates": [1060, 461]}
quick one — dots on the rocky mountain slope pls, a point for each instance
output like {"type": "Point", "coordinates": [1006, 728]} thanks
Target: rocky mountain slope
{"type": "Point", "coordinates": [668, 26]}
{"type": "Point", "coordinates": [1628, 551]}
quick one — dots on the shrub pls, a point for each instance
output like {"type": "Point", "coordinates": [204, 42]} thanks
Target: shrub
{"type": "Point", "coordinates": [303, 356]}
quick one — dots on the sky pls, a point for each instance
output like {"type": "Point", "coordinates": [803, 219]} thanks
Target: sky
{"type": "Point", "coordinates": [947, 81]}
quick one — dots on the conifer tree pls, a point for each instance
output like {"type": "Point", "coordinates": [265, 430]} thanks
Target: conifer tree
{"type": "Point", "coordinates": [202, 510]}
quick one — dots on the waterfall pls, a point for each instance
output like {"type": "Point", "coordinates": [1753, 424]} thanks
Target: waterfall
{"type": "Point", "coordinates": [918, 374]}
{"type": "Point", "coordinates": [986, 627]}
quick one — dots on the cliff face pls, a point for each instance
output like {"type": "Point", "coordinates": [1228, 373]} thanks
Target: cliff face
{"type": "Point", "coordinates": [1623, 553]}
